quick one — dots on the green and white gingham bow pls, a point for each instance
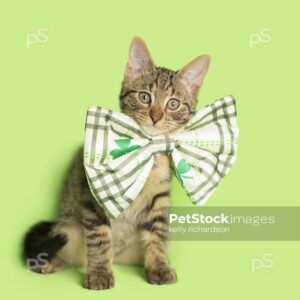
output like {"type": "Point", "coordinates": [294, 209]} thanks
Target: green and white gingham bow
{"type": "Point", "coordinates": [118, 155]}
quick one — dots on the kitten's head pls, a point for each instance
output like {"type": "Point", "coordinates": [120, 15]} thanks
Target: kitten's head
{"type": "Point", "coordinates": [160, 100]}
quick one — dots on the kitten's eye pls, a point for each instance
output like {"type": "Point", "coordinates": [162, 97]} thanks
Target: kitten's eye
{"type": "Point", "coordinates": [145, 98]}
{"type": "Point", "coordinates": [173, 104]}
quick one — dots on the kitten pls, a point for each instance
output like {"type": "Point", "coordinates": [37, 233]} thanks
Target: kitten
{"type": "Point", "coordinates": [161, 101]}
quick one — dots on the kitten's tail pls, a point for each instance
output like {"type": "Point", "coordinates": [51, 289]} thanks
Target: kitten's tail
{"type": "Point", "coordinates": [41, 245]}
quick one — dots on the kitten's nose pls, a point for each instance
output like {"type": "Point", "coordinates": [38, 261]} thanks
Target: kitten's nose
{"type": "Point", "coordinates": [155, 114]}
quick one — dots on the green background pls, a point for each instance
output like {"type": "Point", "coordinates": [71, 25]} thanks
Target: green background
{"type": "Point", "coordinates": [46, 89]}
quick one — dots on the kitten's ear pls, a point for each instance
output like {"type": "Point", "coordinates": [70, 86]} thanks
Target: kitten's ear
{"type": "Point", "coordinates": [193, 73]}
{"type": "Point", "coordinates": [139, 59]}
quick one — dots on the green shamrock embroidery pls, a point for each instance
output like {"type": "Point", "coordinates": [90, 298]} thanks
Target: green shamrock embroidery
{"type": "Point", "coordinates": [182, 168]}
{"type": "Point", "coordinates": [123, 148]}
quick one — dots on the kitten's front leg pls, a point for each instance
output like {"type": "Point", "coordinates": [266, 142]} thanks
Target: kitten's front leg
{"type": "Point", "coordinates": [154, 231]}
{"type": "Point", "coordinates": [99, 249]}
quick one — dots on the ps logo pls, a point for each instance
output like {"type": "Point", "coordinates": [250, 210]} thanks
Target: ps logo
{"type": "Point", "coordinates": [38, 262]}
{"type": "Point", "coordinates": [265, 262]}
{"type": "Point", "coordinates": [39, 38]}
{"type": "Point", "coordinates": [263, 37]}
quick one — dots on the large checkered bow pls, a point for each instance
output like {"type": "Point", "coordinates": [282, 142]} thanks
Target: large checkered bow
{"type": "Point", "coordinates": [118, 155]}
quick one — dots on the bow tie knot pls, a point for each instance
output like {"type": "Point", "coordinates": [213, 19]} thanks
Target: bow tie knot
{"type": "Point", "coordinates": [162, 144]}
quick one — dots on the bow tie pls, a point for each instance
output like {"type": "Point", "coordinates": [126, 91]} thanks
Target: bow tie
{"type": "Point", "coordinates": [119, 155]}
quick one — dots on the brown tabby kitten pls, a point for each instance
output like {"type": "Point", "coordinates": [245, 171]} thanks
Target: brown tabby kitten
{"type": "Point", "coordinates": [161, 101]}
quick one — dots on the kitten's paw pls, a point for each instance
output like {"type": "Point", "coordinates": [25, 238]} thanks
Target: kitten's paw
{"type": "Point", "coordinates": [162, 275]}
{"type": "Point", "coordinates": [99, 281]}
